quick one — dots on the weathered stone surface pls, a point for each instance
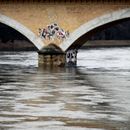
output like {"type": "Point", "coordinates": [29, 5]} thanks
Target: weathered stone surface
{"type": "Point", "coordinates": [51, 49]}
{"type": "Point", "coordinates": [51, 56]}
{"type": "Point", "coordinates": [52, 60]}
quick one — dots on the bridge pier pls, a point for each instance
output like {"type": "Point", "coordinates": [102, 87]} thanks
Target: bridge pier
{"type": "Point", "coordinates": [53, 56]}
{"type": "Point", "coordinates": [71, 58]}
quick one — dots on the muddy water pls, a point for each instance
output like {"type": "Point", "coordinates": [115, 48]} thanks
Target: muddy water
{"type": "Point", "coordinates": [93, 96]}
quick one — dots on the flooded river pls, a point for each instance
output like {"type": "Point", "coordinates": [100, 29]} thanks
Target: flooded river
{"type": "Point", "coordinates": [93, 96]}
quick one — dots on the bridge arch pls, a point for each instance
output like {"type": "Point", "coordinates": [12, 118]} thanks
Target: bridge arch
{"type": "Point", "coordinates": [23, 30]}
{"type": "Point", "coordinates": [98, 22]}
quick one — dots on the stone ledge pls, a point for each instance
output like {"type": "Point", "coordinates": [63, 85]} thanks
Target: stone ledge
{"type": "Point", "coordinates": [51, 49]}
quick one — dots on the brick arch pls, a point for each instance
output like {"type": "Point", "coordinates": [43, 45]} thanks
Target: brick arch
{"type": "Point", "coordinates": [93, 24]}
{"type": "Point", "coordinates": [23, 30]}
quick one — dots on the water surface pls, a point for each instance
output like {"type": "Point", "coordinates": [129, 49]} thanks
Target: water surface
{"type": "Point", "coordinates": [93, 96]}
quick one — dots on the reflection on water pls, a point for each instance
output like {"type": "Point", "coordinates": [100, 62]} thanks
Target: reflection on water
{"type": "Point", "coordinates": [93, 96]}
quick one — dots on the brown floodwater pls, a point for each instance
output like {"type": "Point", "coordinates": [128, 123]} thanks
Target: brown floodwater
{"type": "Point", "coordinates": [93, 96]}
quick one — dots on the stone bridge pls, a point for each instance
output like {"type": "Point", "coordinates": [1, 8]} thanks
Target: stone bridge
{"type": "Point", "coordinates": [81, 17]}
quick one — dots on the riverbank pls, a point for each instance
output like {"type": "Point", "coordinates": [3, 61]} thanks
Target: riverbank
{"type": "Point", "coordinates": [106, 43]}
{"type": "Point", "coordinates": [17, 45]}
{"type": "Point", "coordinates": [22, 45]}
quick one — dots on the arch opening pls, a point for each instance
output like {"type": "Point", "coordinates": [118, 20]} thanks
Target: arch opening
{"type": "Point", "coordinates": [105, 33]}
{"type": "Point", "coordinates": [12, 40]}
{"type": "Point", "coordinates": [22, 30]}
{"type": "Point", "coordinates": [84, 32]}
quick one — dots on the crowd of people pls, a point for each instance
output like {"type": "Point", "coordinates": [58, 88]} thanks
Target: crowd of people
{"type": "Point", "coordinates": [53, 31]}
